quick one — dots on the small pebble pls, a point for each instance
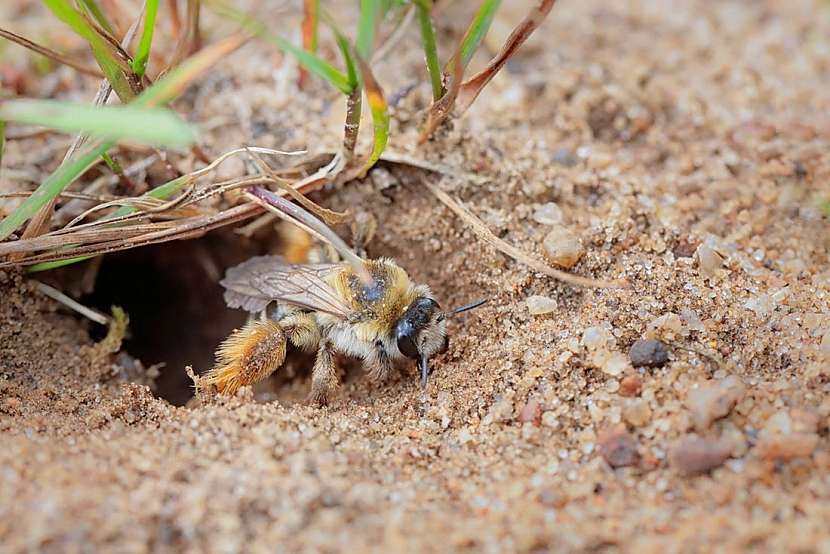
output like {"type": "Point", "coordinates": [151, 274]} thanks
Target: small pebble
{"type": "Point", "coordinates": [549, 419]}
{"type": "Point", "coordinates": [564, 156]}
{"type": "Point", "coordinates": [667, 325]}
{"type": "Point", "coordinates": [772, 446]}
{"type": "Point", "coordinates": [531, 413]}
{"type": "Point", "coordinates": [631, 385]}
{"type": "Point", "coordinates": [548, 214]}
{"type": "Point", "coordinates": [693, 455]}
{"type": "Point", "coordinates": [709, 261]}
{"type": "Point", "coordinates": [648, 353]}
{"type": "Point", "coordinates": [614, 364]}
{"type": "Point", "coordinates": [714, 400]}
{"type": "Point", "coordinates": [562, 247]}
{"type": "Point", "coordinates": [4, 277]}
{"type": "Point", "coordinates": [541, 305]}
{"type": "Point", "coordinates": [637, 412]}
{"type": "Point", "coordinates": [596, 338]}
{"type": "Point", "coordinates": [618, 447]}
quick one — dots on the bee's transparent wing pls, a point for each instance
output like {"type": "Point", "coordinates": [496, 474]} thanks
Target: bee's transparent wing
{"type": "Point", "coordinates": [253, 284]}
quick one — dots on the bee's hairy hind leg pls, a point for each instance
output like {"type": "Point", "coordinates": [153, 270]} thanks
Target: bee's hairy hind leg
{"type": "Point", "coordinates": [324, 375]}
{"type": "Point", "coordinates": [248, 355]}
{"type": "Point", "coordinates": [254, 352]}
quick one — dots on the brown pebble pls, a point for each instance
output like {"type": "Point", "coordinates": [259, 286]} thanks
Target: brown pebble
{"type": "Point", "coordinates": [648, 353]}
{"type": "Point", "coordinates": [618, 447]}
{"type": "Point", "coordinates": [631, 385]}
{"type": "Point", "coordinates": [531, 413]}
{"type": "Point", "coordinates": [787, 447]}
{"type": "Point", "coordinates": [686, 247]}
{"type": "Point", "coordinates": [804, 421]}
{"type": "Point", "coordinates": [562, 247]}
{"type": "Point", "coordinates": [714, 400]}
{"type": "Point", "coordinates": [693, 455]}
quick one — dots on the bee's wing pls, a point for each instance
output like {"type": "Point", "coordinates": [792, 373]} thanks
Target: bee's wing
{"type": "Point", "coordinates": [253, 284]}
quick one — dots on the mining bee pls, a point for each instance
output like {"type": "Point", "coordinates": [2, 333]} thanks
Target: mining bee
{"type": "Point", "coordinates": [369, 309]}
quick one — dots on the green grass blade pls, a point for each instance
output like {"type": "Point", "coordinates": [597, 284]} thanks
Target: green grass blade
{"type": "Point", "coordinates": [112, 65]}
{"type": "Point", "coordinates": [161, 192]}
{"type": "Point", "coordinates": [424, 9]}
{"type": "Point", "coordinates": [43, 266]}
{"type": "Point", "coordinates": [98, 15]}
{"type": "Point", "coordinates": [312, 62]}
{"type": "Point", "coordinates": [478, 29]}
{"type": "Point", "coordinates": [151, 126]}
{"type": "Point", "coordinates": [380, 114]}
{"type": "Point", "coordinates": [370, 12]}
{"type": "Point", "coordinates": [346, 50]}
{"type": "Point", "coordinates": [165, 90]}
{"type": "Point", "coordinates": [142, 54]}
{"type": "Point", "coordinates": [161, 92]}
{"type": "Point", "coordinates": [51, 187]}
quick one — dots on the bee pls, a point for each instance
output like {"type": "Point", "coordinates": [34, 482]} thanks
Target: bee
{"type": "Point", "coordinates": [328, 308]}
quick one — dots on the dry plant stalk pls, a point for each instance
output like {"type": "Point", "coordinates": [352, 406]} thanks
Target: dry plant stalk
{"type": "Point", "coordinates": [481, 230]}
{"type": "Point", "coordinates": [473, 86]}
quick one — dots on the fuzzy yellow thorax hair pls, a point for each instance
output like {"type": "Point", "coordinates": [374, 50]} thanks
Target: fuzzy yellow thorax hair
{"type": "Point", "coordinates": [384, 302]}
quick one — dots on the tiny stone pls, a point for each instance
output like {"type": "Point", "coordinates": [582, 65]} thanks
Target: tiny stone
{"type": "Point", "coordinates": [615, 364]}
{"type": "Point", "coordinates": [564, 156]}
{"type": "Point", "coordinates": [549, 419]}
{"type": "Point", "coordinates": [709, 261]}
{"type": "Point", "coordinates": [548, 214]}
{"type": "Point", "coordinates": [631, 385]}
{"type": "Point", "coordinates": [4, 277]}
{"type": "Point", "coordinates": [773, 446]}
{"type": "Point", "coordinates": [596, 338]}
{"type": "Point", "coordinates": [668, 324]}
{"type": "Point", "coordinates": [637, 412]}
{"type": "Point", "coordinates": [648, 353]}
{"type": "Point", "coordinates": [714, 400]}
{"type": "Point", "coordinates": [618, 447]}
{"type": "Point", "coordinates": [541, 305]}
{"type": "Point", "coordinates": [531, 413]}
{"type": "Point", "coordinates": [502, 411]}
{"type": "Point", "coordinates": [692, 454]}
{"type": "Point", "coordinates": [562, 247]}
{"type": "Point", "coordinates": [691, 319]}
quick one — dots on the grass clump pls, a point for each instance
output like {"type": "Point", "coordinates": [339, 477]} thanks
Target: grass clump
{"type": "Point", "coordinates": [174, 209]}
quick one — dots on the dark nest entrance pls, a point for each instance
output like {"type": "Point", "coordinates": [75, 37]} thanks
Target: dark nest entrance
{"type": "Point", "coordinates": [172, 294]}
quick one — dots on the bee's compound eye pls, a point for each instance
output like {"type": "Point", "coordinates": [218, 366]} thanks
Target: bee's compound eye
{"type": "Point", "coordinates": [406, 345]}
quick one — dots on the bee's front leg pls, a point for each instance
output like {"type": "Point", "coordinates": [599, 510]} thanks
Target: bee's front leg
{"type": "Point", "coordinates": [377, 363]}
{"type": "Point", "coordinates": [324, 375]}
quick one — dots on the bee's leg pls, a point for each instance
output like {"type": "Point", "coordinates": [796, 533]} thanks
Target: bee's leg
{"type": "Point", "coordinates": [324, 375]}
{"type": "Point", "coordinates": [363, 227]}
{"type": "Point", "coordinates": [377, 363]}
{"type": "Point", "coordinates": [302, 330]}
{"type": "Point", "coordinates": [249, 355]}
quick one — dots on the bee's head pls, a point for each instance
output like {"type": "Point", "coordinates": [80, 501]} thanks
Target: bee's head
{"type": "Point", "coordinates": [421, 332]}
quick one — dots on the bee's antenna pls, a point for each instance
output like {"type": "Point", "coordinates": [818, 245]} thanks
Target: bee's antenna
{"type": "Point", "coordinates": [466, 307]}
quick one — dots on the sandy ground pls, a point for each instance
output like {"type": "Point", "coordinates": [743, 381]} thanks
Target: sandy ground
{"type": "Point", "coordinates": [686, 145]}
